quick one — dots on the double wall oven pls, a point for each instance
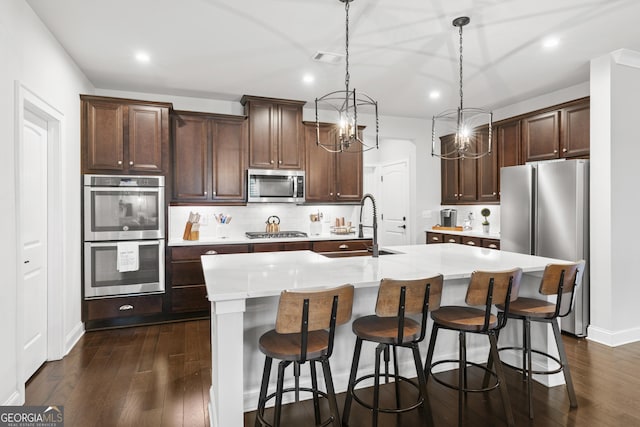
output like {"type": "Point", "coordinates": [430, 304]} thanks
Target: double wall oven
{"type": "Point", "coordinates": [123, 235]}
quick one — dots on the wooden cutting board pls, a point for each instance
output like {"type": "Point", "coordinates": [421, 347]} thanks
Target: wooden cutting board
{"type": "Point", "coordinates": [441, 228]}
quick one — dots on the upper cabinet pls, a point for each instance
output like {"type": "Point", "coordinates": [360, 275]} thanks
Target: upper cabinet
{"type": "Point", "coordinates": [556, 134]}
{"type": "Point", "coordinates": [276, 137]}
{"type": "Point", "coordinates": [209, 157]}
{"type": "Point", "coordinates": [124, 136]}
{"type": "Point", "coordinates": [331, 177]}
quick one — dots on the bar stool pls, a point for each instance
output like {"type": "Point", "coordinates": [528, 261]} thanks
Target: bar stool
{"type": "Point", "coordinates": [560, 280]}
{"type": "Point", "coordinates": [390, 327]}
{"type": "Point", "coordinates": [305, 328]}
{"type": "Point", "coordinates": [485, 289]}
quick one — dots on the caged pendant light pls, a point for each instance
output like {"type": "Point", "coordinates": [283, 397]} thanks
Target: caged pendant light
{"type": "Point", "coordinates": [468, 125]}
{"type": "Point", "coordinates": [347, 104]}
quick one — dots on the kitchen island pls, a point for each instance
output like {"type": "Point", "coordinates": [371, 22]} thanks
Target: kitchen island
{"type": "Point", "coordinates": [243, 290]}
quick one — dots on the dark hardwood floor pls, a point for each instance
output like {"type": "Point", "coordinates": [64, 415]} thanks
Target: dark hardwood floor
{"type": "Point", "coordinates": [160, 376]}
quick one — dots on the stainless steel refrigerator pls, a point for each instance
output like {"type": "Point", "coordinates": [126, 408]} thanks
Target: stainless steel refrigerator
{"type": "Point", "coordinates": [544, 210]}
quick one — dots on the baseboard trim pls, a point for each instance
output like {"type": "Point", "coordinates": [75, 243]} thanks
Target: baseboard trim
{"type": "Point", "coordinates": [73, 337]}
{"type": "Point", "coordinates": [613, 338]}
{"type": "Point", "coordinates": [13, 400]}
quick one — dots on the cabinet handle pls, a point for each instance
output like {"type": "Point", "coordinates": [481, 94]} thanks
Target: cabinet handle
{"type": "Point", "coordinates": [130, 162]}
{"type": "Point", "coordinates": [214, 194]}
{"type": "Point", "coordinates": [564, 150]}
{"type": "Point", "coordinates": [343, 246]}
{"type": "Point", "coordinates": [435, 239]}
{"type": "Point", "coordinates": [494, 193]}
{"type": "Point", "coordinates": [451, 240]}
{"type": "Point", "coordinates": [279, 162]}
{"type": "Point", "coordinates": [338, 194]}
{"type": "Point", "coordinates": [126, 307]}
{"type": "Point", "coordinates": [205, 193]}
{"type": "Point", "coordinates": [493, 246]}
{"type": "Point", "coordinates": [471, 243]}
{"type": "Point", "coordinates": [271, 162]}
{"type": "Point", "coordinates": [555, 151]}
{"type": "Point", "coordinates": [331, 194]}
{"type": "Point", "coordinates": [119, 162]}
{"type": "Point", "coordinates": [211, 252]}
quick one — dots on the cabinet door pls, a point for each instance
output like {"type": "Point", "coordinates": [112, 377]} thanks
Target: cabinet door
{"type": "Point", "coordinates": [487, 170]}
{"type": "Point", "coordinates": [434, 237]}
{"type": "Point", "coordinates": [508, 143]}
{"type": "Point", "coordinates": [103, 130]}
{"type": "Point", "coordinates": [229, 145]}
{"type": "Point", "coordinates": [467, 180]}
{"type": "Point", "coordinates": [146, 138]}
{"type": "Point", "coordinates": [449, 174]}
{"type": "Point", "coordinates": [319, 169]}
{"type": "Point", "coordinates": [289, 137]}
{"type": "Point", "coordinates": [541, 136]}
{"type": "Point", "coordinates": [190, 158]}
{"type": "Point", "coordinates": [349, 174]}
{"type": "Point", "coordinates": [262, 151]}
{"type": "Point", "coordinates": [575, 131]}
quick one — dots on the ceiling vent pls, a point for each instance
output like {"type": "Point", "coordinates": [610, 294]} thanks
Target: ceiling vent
{"type": "Point", "coordinates": [328, 57]}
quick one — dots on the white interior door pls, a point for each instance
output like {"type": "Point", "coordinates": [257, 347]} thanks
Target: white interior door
{"type": "Point", "coordinates": [395, 203]}
{"type": "Point", "coordinates": [33, 223]}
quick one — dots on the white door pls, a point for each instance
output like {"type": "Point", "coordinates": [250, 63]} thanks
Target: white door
{"type": "Point", "coordinates": [395, 203]}
{"type": "Point", "coordinates": [33, 223]}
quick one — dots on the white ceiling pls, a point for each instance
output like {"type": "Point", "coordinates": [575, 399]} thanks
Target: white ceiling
{"type": "Point", "coordinates": [399, 50]}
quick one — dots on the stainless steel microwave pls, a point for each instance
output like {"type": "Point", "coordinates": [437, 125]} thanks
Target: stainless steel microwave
{"type": "Point", "coordinates": [275, 185]}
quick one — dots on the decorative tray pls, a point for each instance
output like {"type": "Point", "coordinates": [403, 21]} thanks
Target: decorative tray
{"type": "Point", "coordinates": [345, 229]}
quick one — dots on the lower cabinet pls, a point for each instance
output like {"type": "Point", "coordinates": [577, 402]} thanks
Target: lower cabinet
{"type": "Point", "coordinates": [281, 246]}
{"type": "Point", "coordinates": [187, 291]}
{"type": "Point", "coordinates": [482, 242]}
{"type": "Point", "coordinates": [124, 307]}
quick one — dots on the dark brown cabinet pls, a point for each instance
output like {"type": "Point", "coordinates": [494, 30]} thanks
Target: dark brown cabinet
{"type": "Point", "coordinates": [459, 180]}
{"type": "Point", "coordinates": [209, 157]}
{"type": "Point", "coordinates": [487, 171]}
{"type": "Point", "coordinates": [282, 246]}
{"type": "Point", "coordinates": [276, 139]}
{"type": "Point", "coordinates": [433, 237]}
{"type": "Point", "coordinates": [186, 279]}
{"type": "Point", "coordinates": [331, 177]}
{"type": "Point", "coordinates": [560, 133]}
{"type": "Point", "coordinates": [124, 136]}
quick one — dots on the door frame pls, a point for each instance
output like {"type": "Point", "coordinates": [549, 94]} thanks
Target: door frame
{"type": "Point", "coordinates": [26, 99]}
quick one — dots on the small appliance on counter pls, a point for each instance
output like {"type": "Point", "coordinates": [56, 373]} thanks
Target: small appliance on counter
{"type": "Point", "coordinates": [316, 225]}
{"type": "Point", "coordinates": [449, 218]}
{"type": "Point", "coordinates": [273, 224]}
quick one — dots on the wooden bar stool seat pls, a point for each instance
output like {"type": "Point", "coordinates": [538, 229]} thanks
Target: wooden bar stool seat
{"type": "Point", "coordinates": [304, 332]}
{"type": "Point", "coordinates": [390, 328]}
{"type": "Point", "coordinates": [560, 280]}
{"type": "Point", "coordinates": [486, 288]}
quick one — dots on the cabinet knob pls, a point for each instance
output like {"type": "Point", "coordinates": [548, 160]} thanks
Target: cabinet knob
{"type": "Point", "coordinates": [494, 193]}
{"type": "Point", "coordinates": [214, 194]}
{"type": "Point", "coordinates": [130, 162]}
{"type": "Point", "coordinates": [205, 193]}
{"type": "Point", "coordinates": [119, 162]}
{"type": "Point", "coordinates": [126, 307]}
{"type": "Point", "coordinates": [564, 150]}
{"type": "Point", "coordinates": [279, 162]}
{"type": "Point", "coordinates": [555, 151]}
{"type": "Point", "coordinates": [271, 162]}
{"type": "Point", "coordinates": [338, 194]}
{"type": "Point", "coordinates": [331, 194]}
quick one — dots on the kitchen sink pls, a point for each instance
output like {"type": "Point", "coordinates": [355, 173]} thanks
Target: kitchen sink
{"type": "Point", "coordinates": [348, 254]}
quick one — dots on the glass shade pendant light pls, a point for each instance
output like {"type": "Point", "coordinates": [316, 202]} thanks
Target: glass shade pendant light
{"type": "Point", "coordinates": [347, 104]}
{"type": "Point", "coordinates": [468, 126]}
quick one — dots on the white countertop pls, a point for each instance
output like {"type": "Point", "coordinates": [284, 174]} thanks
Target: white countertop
{"type": "Point", "coordinates": [252, 275]}
{"type": "Point", "coordinates": [232, 240]}
{"type": "Point", "coordinates": [470, 233]}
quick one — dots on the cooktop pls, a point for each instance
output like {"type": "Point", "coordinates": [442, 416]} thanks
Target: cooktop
{"type": "Point", "coordinates": [277, 234]}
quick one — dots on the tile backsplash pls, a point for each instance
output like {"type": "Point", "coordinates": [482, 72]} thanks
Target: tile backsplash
{"type": "Point", "coordinates": [253, 217]}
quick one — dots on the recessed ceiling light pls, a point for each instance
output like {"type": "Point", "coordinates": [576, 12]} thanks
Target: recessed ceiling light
{"type": "Point", "coordinates": [550, 42]}
{"type": "Point", "coordinates": [434, 94]}
{"type": "Point", "coordinates": [328, 57]}
{"type": "Point", "coordinates": [308, 78]}
{"type": "Point", "coordinates": [143, 57]}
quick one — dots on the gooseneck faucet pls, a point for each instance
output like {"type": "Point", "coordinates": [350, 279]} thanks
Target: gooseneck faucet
{"type": "Point", "coordinates": [374, 226]}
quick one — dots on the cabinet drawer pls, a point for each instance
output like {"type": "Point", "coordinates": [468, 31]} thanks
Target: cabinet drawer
{"type": "Point", "coordinates": [179, 253]}
{"type": "Point", "coordinates": [281, 246]}
{"type": "Point", "coordinates": [434, 237]}
{"type": "Point", "coordinates": [491, 243]}
{"type": "Point", "coordinates": [187, 273]}
{"type": "Point", "coordinates": [341, 245]}
{"type": "Point", "coordinates": [451, 238]}
{"type": "Point", "coordinates": [189, 298]}
{"type": "Point", "coordinates": [471, 241]}
{"type": "Point", "coordinates": [110, 308]}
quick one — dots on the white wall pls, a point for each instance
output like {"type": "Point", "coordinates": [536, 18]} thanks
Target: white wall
{"type": "Point", "coordinates": [32, 56]}
{"type": "Point", "coordinates": [615, 88]}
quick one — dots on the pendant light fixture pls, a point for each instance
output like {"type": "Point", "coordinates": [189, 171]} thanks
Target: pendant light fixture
{"type": "Point", "coordinates": [347, 104]}
{"type": "Point", "coordinates": [468, 127]}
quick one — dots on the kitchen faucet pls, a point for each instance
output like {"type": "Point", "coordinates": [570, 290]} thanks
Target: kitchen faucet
{"type": "Point", "coordinates": [374, 226]}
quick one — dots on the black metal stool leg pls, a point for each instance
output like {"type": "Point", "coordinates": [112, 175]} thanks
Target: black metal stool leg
{"type": "Point", "coordinates": [396, 376]}
{"type": "Point", "coordinates": [386, 365]}
{"type": "Point", "coordinates": [565, 365]}
{"type": "Point", "coordinates": [502, 384]}
{"type": "Point", "coordinates": [352, 378]}
{"type": "Point", "coordinates": [276, 418]}
{"type": "Point", "coordinates": [263, 390]}
{"type": "Point", "coordinates": [422, 382]}
{"type": "Point", "coordinates": [331, 392]}
{"type": "Point", "coordinates": [376, 386]}
{"type": "Point", "coordinates": [529, 370]}
{"type": "Point", "coordinates": [314, 385]}
{"type": "Point", "coordinates": [432, 346]}
{"type": "Point", "coordinates": [461, 369]}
